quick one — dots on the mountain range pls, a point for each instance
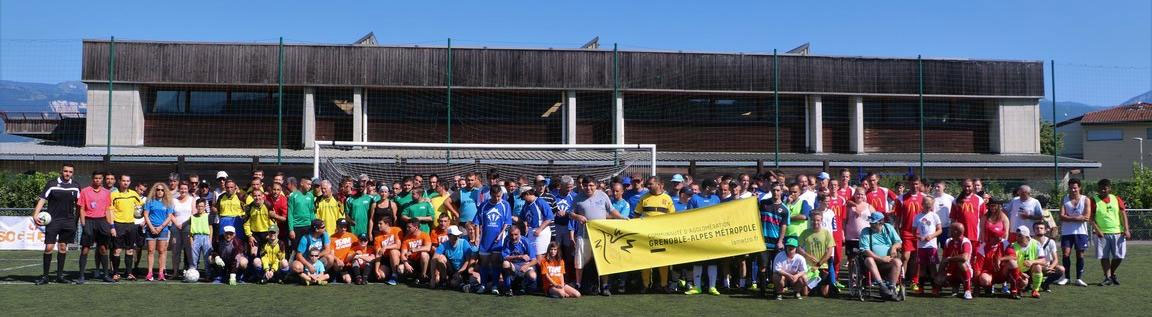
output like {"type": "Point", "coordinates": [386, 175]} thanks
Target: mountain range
{"type": "Point", "coordinates": [18, 96]}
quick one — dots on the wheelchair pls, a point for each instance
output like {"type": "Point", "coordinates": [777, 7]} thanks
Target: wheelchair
{"type": "Point", "coordinates": [861, 286]}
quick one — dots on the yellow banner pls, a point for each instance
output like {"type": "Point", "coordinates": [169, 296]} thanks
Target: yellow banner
{"type": "Point", "coordinates": [723, 230]}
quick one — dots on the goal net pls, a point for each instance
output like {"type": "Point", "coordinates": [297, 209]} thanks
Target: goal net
{"type": "Point", "coordinates": [390, 162]}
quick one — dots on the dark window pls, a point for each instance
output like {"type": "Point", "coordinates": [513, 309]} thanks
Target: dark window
{"type": "Point", "coordinates": [252, 102]}
{"type": "Point", "coordinates": [1105, 135]}
{"type": "Point", "coordinates": [170, 101]}
{"type": "Point", "coordinates": [207, 101]}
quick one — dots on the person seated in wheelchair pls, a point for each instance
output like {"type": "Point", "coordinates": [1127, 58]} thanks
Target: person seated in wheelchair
{"type": "Point", "coordinates": [880, 249]}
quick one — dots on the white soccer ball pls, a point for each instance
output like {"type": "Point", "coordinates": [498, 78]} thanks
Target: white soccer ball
{"type": "Point", "coordinates": [139, 213]}
{"type": "Point", "coordinates": [45, 218]}
{"type": "Point", "coordinates": [191, 276]}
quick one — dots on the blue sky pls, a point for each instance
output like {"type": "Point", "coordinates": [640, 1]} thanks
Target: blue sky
{"type": "Point", "coordinates": [39, 39]}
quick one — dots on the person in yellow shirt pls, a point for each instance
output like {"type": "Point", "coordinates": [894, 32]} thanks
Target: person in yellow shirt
{"type": "Point", "coordinates": [654, 203]}
{"type": "Point", "coordinates": [328, 208]}
{"type": "Point", "coordinates": [258, 222]}
{"type": "Point", "coordinates": [125, 203]}
{"type": "Point", "coordinates": [271, 260]}
{"type": "Point", "coordinates": [438, 206]}
{"type": "Point", "coordinates": [230, 209]}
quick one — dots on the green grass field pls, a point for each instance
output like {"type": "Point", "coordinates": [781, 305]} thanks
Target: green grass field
{"type": "Point", "coordinates": [21, 298]}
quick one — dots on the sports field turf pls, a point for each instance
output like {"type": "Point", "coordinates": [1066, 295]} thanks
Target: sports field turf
{"type": "Point", "coordinates": [18, 297]}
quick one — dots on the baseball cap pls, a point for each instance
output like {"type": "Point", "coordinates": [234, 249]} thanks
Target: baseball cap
{"type": "Point", "coordinates": [1024, 231]}
{"type": "Point", "coordinates": [317, 224]}
{"type": "Point", "coordinates": [229, 229]}
{"type": "Point", "coordinates": [876, 217]}
{"type": "Point", "coordinates": [677, 178]}
{"type": "Point", "coordinates": [823, 176]}
{"type": "Point", "coordinates": [273, 228]}
{"type": "Point", "coordinates": [791, 242]}
{"type": "Point", "coordinates": [454, 230]}
{"type": "Point", "coordinates": [626, 180]}
{"type": "Point", "coordinates": [342, 223]}
{"type": "Point", "coordinates": [221, 174]}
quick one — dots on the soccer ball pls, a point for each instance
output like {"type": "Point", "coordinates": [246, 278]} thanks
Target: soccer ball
{"type": "Point", "coordinates": [191, 276]}
{"type": "Point", "coordinates": [45, 218]}
{"type": "Point", "coordinates": [139, 213]}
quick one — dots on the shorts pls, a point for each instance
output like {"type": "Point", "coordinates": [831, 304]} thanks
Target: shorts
{"type": "Point", "coordinates": [413, 257]}
{"type": "Point", "coordinates": [583, 252]}
{"type": "Point", "coordinates": [62, 230]}
{"type": "Point", "coordinates": [1111, 246]}
{"type": "Point", "coordinates": [1074, 241]}
{"type": "Point", "coordinates": [927, 256]}
{"type": "Point", "coordinates": [518, 273]}
{"type": "Point", "coordinates": [95, 231]}
{"type": "Point", "coordinates": [126, 235]}
{"type": "Point", "coordinates": [908, 243]}
{"type": "Point", "coordinates": [162, 236]}
{"type": "Point", "coordinates": [541, 242]}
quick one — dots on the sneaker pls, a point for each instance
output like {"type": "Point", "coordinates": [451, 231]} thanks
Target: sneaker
{"type": "Point", "coordinates": [464, 287]}
{"type": "Point", "coordinates": [1062, 281]}
{"type": "Point", "coordinates": [1080, 282]}
{"type": "Point", "coordinates": [693, 291]}
{"type": "Point", "coordinates": [839, 286]}
{"type": "Point", "coordinates": [1005, 289]}
{"type": "Point", "coordinates": [130, 277]}
{"type": "Point", "coordinates": [1035, 294]}
{"type": "Point", "coordinates": [495, 291]}
{"type": "Point", "coordinates": [391, 281]}
{"type": "Point", "coordinates": [161, 277]}
{"type": "Point", "coordinates": [80, 281]}
{"type": "Point", "coordinates": [478, 289]}
{"type": "Point", "coordinates": [779, 297]}
{"type": "Point", "coordinates": [916, 288]}
{"type": "Point", "coordinates": [1107, 281]}
{"type": "Point", "coordinates": [1015, 295]}
{"type": "Point", "coordinates": [108, 279]}
{"type": "Point", "coordinates": [1114, 281]}
{"type": "Point", "coordinates": [322, 282]}
{"type": "Point", "coordinates": [306, 282]}
{"type": "Point", "coordinates": [713, 291]}
{"type": "Point", "coordinates": [798, 296]}
{"type": "Point", "coordinates": [148, 277]}
{"type": "Point", "coordinates": [967, 295]}
{"type": "Point", "coordinates": [43, 280]}
{"type": "Point", "coordinates": [62, 280]}
{"type": "Point", "coordinates": [606, 291]}
{"type": "Point", "coordinates": [753, 288]}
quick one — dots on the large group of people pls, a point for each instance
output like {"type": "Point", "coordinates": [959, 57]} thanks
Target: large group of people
{"type": "Point", "coordinates": [527, 234]}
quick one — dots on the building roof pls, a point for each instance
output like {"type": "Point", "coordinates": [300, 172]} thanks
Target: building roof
{"type": "Point", "coordinates": [37, 151]}
{"type": "Point", "coordinates": [1137, 112]}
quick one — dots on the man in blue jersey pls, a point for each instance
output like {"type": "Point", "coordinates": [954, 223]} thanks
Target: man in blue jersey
{"type": "Point", "coordinates": [705, 198]}
{"type": "Point", "coordinates": [466, 202]}
{"type": "Point", "coordinates": [519, 261]}
{"type": "Point", "coordinates": [537, 217]}
{"type": "Point", "coordinates": [634, 189]}
{"type": "Point", "coordinates": [493, 219]}
{"type": "Point", "coordinates": [562, 227]}
{"type": "Point", "coordinates": [774, 222]}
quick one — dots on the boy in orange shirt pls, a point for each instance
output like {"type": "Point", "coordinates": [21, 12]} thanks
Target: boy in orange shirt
{"type": "Point", "coordinates": [345, 247]}
{"type": "Point", "coordinates": [415, 248]}
{"type": "Point", "coordinates": [386, 247]}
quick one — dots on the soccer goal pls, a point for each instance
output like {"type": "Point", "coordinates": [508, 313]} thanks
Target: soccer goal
{"type": "Point", "coordinates": [391, 161]}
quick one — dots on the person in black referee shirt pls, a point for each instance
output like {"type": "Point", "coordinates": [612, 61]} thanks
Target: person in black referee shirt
{"type": "Point", "coordinates": [60, 195]}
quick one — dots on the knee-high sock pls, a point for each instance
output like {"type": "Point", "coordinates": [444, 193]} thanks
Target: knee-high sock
{"type": "Point", "coordinates": [102, 262]}
{"type": "Point", "coordinates": [696, 271]}
{"type": "Point", "coordinates": [115, 264]}
{"type": "Point", "coordinates": [832, 270]}
{"type": "Point", "coordinates": [84, 263]}
{"type": "Point", "coordinates": [128, 268]}
{"type": "Point", "coordinates": [1067, 262]}
{"type": "Point", "coordinates": [1037, 279]}
{"type": "Point", "coordinates": [712, 276]}
{"type": "Point", "coordinates": [1079, 267]}
{"type": "Point", "coordinates": [508, 280]}
{"type": "Point", "coordinates": [47, 263]}
{"type": "Point", "coordinates": [60, 256]}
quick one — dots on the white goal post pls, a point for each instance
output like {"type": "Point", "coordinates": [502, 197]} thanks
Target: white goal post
{"type": "Point", "coordinates": [320, 144]}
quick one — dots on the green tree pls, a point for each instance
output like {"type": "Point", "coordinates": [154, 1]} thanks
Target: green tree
{"type": "Point", "coordinates": [1051, 143]}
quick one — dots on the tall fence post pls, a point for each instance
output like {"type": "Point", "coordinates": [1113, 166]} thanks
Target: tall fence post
{"type": "Point", "coordinates": [448, 152]}
{"type": "Point", "coordinates": [280, 102]}
{"type": "Point", "coordinates": [776, 102]}
{"type": "Point", "coordinates": [1055, 159]}
{"type": "Point", "coordinates": [111, 77]}
{"type": "Point", "coordinates": [920, 78]}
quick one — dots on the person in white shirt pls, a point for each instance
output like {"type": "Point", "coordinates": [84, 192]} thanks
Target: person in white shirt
{"type": "Point", "coordinates": [927, 259]}
{"type": "Point", "coordinates": [807, 192]}
{"type": "Point", "coordinates": [1052, 270]}
{"type": "Point", "coordinates": [183, 205]}
{"type": "Point", "coordinates": [789, 269]}
{"type": "Point", "coordinates": [1075, 213]}
{"type": "Point", "coordinates": [1023, 210]}
{"type": "Point", "coordinates": [943, 207]}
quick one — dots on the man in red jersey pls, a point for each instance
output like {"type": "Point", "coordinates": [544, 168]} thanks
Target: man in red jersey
{"type": "Point", "coordinates": [879, 197]}
{"type": "Point", "coordinates": [967, 210]}
{"type": "Point", "coordinates": [844, 188]}
{"type": "Point", "coordinates": [911, 204]}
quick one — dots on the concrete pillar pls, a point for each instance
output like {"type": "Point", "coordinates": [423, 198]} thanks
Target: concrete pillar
{"type": "Point", "coordinates": [618, 120]}
{"type": "Point", "coordinates": [1015, 127]}
{"type": "Point", "coordinates": [570, 117]}
{"type": "Point", "coordinates": [856, 124]}
{"type": "Point", "coordinates": [308, 137]}
{"type": "Point", "coordinates": [815, 123]}
{"type": "Point", "coordinates": [359, 118]}
{"type": "Point", "coordinates": [127, 115]}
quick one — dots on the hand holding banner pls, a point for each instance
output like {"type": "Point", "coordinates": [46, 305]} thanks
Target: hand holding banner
{"type": "Point", "coordinates": [723, 230]}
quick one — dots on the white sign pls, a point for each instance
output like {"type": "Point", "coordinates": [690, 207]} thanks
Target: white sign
{"type": "Point", "coordinates": [20, 233]}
